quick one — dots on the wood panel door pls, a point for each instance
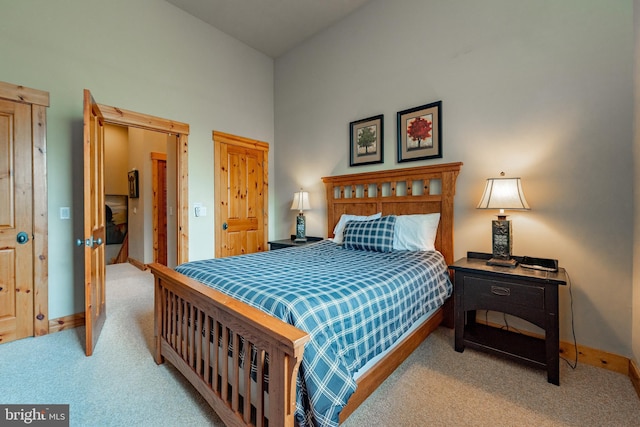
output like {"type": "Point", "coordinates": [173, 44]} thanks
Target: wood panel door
{"type": "Point", "coordinates": [94, 222]}
{"type": "Point", "coordinates": [241, 193]}
{"type": "Point", "coordinates": [16, 222]}
{"type": "Point", "coordinates": [159, 189]}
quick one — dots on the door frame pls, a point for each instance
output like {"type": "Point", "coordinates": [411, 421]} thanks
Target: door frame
{"type": "Point", "coordinates": [39, 101]}
{"type": "Point", "coordinates": [119, 116]}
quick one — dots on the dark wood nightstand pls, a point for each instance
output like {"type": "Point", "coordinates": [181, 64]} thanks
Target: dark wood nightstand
{"type": "Point", "coordinates": [287, 243]}
{"type": "Point", "coordinates": [529, 294]}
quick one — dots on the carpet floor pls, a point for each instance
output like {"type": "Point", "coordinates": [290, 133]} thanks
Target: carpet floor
{"type": "Point", "coordinates": [120, 385]}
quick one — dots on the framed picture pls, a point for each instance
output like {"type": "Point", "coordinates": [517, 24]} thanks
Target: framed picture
{"type": "Point", "coordinates": [420, 133]}
{"type": "Point", "coordinates": [116, 218]}
{"type": "Point", "coordinates": [366, 141]}
{"type": "Point", "coordinates": [134, 192]}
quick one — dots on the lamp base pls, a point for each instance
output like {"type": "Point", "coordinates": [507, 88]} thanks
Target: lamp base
{"type": "Point", "coordinates": [511, 263]}
{"type": "Point", "coordinates": [501, 242]}
{"type": "Point", "coordinates": [301, 232]}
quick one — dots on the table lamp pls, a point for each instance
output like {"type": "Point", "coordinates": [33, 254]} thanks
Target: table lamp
{"type": "Point", "coordinates": [502, 193]}
{"type": "Point", "coordinates": [300, 203]}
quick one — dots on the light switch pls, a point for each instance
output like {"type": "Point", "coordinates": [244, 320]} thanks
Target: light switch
{"type": "Point", "coordinates": [65, 213]}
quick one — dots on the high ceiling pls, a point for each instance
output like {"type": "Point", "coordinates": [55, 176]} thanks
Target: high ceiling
{"type": "Point", "coordinates": [270, 26]}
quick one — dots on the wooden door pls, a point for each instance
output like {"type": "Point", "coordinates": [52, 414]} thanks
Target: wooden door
{"type": "Point", "coordinates": [159, 189]}
{"type": "Point", "coordinates": [241, 187]}
{"type": "Point", "coordinates": [94, 222]}
{"type": "Point", "coordinates": [16, 222]}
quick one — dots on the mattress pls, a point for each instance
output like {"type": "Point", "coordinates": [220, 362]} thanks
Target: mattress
{"type": "Point", "coordinates": [354, 304]}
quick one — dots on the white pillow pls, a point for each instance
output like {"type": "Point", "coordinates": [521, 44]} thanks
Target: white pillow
{"type": "Point", "coordinates": [416, 232]}
{"type": "Point", "coordinates": [339, 228]}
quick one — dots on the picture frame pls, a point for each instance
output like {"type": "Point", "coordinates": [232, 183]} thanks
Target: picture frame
{"type": "Point", "coordinates": [366, 141]}
{"type": "Point", "coordinates": [116, 207]}
{"type": "Point", "coordinates": [134, 189]}
{"type": "Point", "coordinates": [420, 133]}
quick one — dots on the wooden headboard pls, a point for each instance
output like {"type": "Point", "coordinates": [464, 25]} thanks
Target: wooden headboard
{"type": "Point", "coordinates": [419, 190]}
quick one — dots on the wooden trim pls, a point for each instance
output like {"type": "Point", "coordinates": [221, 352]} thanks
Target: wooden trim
{"type": "Point", "coordinates": [139, 265]}
{"type": "Point", "coordinates": [66, 322]}
{"type": "Point", "coordinates": [182, 198]}
{"type": "Point", "coordinates": [594, 357]}
{"type": "Point", "coordinates": [634, 374]}
{"type": "Point", "coordinates": [240, 141]}
{"type": "Point", "coordinates": [122, 117]}
{"type": "Point", "coordinates": [24, 94]}
{"type": "Point", "coordinates": [40, 222]}
{"type": "Point", "coordinates": [587, 355]}
{"type": "Point", "coordinates": [123, 253]}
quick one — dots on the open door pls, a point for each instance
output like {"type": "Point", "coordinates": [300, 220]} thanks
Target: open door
{"type": "Point", "coordinates": [94, 222]}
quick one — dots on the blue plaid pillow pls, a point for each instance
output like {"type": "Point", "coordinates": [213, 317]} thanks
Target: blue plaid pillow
{"type": "Point", "coordinates": [373, 235]}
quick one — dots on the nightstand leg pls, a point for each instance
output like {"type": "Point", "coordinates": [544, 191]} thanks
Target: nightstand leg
{"type": "Point", "coordinates": [459, 314]}
{"type": "Point", "coordinates": [552, 339]}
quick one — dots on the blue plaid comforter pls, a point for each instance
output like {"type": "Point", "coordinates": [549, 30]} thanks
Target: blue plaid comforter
{"type": "Point", "coordinates": [354, 305]}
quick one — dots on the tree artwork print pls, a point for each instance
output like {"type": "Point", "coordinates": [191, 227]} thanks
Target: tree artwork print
{"type": "Point", "coordinates": [419, 131]}
{"type": "Point", "coordinates": [366, 140]}
{"type": "Point", "coordinates": [366, 145]}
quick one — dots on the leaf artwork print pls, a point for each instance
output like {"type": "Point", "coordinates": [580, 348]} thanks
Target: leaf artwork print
{"type": "Point", "coordinates": [419, 131]}
{"type": "Point", "coordinates": [367, 141]}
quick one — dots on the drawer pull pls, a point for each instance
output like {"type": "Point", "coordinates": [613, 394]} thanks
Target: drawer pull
{"type": "Point", "coordinates": [499, 290]}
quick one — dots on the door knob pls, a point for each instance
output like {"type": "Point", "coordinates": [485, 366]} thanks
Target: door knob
{"type": "Point", "coordinates": [22, 238]}
{"type": "Point", "coordinates": [97, 242]}
{"type": "Point", "coordinates": [225, 226]}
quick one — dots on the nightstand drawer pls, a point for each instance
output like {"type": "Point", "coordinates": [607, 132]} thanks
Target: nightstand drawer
{"type": "Point", "coordinates": [495, 294]}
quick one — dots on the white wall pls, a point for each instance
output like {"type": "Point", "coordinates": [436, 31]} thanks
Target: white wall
{"type": "Point", "coordinates": [541, 89]}
{"type": "Point", "coordinates": [145, 56]}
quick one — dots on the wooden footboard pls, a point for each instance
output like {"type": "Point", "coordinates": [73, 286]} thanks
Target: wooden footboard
{"type": "Point", "coordinates": [221, 346]}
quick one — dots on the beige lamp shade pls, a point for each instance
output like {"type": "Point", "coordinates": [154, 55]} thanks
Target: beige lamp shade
{"type": "Point", "coordinates": [503, 193]}
{"type": "Point", "coordinates": [300, 201]}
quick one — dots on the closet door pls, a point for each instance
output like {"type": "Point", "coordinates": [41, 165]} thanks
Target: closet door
{"type": "Point", "coordinates": [241, 184]}
{"type": "Point", "coordinates": [16, 222]}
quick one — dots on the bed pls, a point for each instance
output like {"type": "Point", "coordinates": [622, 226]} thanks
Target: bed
{"type": "Point", "coordinates": [244, 361]}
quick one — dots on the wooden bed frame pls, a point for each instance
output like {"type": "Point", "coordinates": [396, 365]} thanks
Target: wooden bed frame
{"type": "Point", "coordinates": [187, 312]}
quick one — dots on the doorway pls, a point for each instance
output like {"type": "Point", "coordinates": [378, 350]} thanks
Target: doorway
{"type": "Point", "coordinates": [142, 222]}
{"type": "Point", "coordinates": [180, 132]}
